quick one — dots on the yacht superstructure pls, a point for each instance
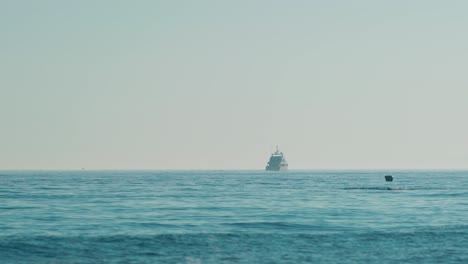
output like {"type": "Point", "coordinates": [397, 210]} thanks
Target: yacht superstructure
{"type": "Point", "coordinates": [277, 162]}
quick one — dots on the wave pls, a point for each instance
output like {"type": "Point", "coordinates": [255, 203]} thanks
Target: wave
{"type": "Point", "coordinates": [432, 244]}
{"type": "Point", "coordinates": [280, 226]}
{"type": "Point", "coordinates": [378, 188]}
{"type": "Point", "coordinates": [396, 188]}
{"type": "Point", "coordinates": [17, 207]}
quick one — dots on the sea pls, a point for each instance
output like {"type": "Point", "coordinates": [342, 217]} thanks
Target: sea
{"type": "Point", "coordinates": [233, 217]}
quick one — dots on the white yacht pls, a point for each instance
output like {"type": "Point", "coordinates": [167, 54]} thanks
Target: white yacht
{"type": "Point", "coordinates": [277, 162]}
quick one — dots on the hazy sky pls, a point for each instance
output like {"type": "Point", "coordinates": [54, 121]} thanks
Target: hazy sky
{"type": "Point", "coordinates": [218, 84]}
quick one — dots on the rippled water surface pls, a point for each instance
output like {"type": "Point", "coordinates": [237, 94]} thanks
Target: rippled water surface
{"type": "Point", "coordinates": [233, 217]}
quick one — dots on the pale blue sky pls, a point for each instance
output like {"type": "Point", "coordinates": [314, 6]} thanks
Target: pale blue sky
{"type": "Point", "coordinates": [217, 84]}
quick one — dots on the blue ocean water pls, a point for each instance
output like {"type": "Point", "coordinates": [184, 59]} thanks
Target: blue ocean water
{"type": "Point", "coordinates": [233, 217]}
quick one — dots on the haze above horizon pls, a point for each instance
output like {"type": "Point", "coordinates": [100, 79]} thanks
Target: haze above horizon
{"type": "Point", "coordinates": [218, 84]}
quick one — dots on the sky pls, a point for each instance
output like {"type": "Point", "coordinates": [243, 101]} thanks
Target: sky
{"type": "Point", "coordinates": [211, 84]}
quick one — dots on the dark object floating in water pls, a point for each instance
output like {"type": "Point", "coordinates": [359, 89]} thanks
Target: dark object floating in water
{"type": "Point", "coordinates": [388, 178]}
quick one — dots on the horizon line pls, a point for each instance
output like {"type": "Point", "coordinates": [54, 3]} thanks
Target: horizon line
{"type": "Point", "coordinates": [289, 170]}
